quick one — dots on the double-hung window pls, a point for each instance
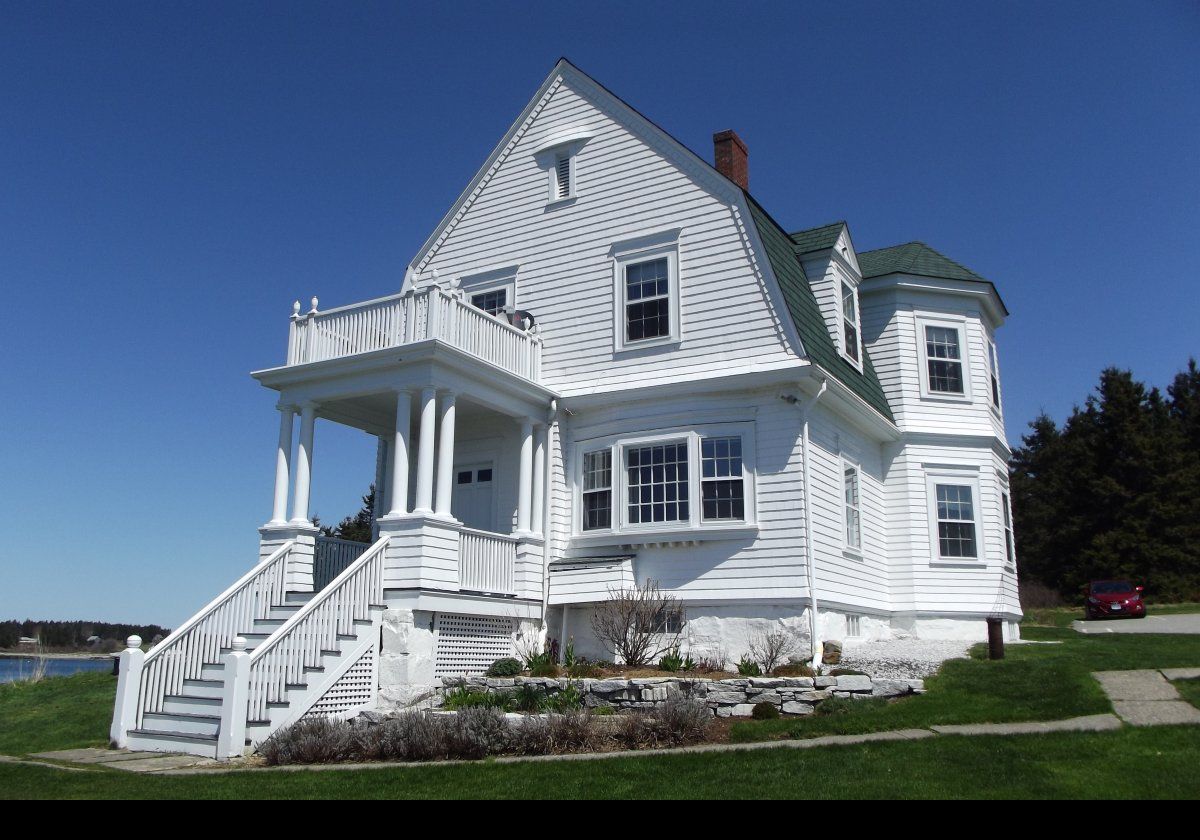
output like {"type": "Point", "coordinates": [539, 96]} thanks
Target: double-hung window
{"type": "Point", "coordinates": [1010, 553]}
{"type": "Point", "coordinates": [955, 521]}
{"type": "Point", "coordinates": [943, 356]}
{"type": "Point", "coordinates": [647, 291]}
{"type": "Point", "coordinates": [852, 497]}
{"type": "Point", "coordinates": [850, 342]}
{"type": "Point", "coordinates": [597, 490]}
{"type": "Point", "coordinates": [686, 479]}
{"type": "Point", "coordinates": [994, 374]}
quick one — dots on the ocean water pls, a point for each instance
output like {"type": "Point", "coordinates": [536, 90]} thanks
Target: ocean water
{"type": "Point", "coordinates": [18, 667]}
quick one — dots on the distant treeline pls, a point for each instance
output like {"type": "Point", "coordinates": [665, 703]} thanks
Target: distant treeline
{"type": "Point", "coordinates": [75, 634]}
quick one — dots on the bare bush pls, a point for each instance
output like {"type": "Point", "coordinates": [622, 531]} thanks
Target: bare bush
{"type": "Point", "coordinates": [676, 722]}
{"type": "Point", "coordinates": [1036, 595]}
{"type": "Point", "coordinates": [638, 623]}
{"type": "Point", "coordinates": [770, 650]}
{"type": "Point", "coordinates": [477, 733]}
{"type": "Point", "coordinates": [555, 734]}
{"type": "Point", "coordinates": [311, 741]}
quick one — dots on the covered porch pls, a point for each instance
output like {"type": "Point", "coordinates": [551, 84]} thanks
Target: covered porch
{"type": "Point", "coordinates": [461, 470]}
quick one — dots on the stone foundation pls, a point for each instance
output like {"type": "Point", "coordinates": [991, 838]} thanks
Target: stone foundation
{"type": "Point", "coordinates": [726, 698]}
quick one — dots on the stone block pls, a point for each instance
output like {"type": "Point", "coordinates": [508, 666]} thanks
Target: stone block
{"type": "Point", "coordinates": [795, 708]}
{"type": "Point", "coordinates": [742, 710]}
{"type": "Point", "coordinates": [854, 683]}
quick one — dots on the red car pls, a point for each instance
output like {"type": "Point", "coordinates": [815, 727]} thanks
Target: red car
{"type": "Point", "coordinates": [1113, 599]}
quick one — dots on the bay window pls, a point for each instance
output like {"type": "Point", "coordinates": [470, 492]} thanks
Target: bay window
{"type": "Point", "coordinates": [689, 479]}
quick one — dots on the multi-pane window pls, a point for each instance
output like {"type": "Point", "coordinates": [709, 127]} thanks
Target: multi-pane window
{"type": "Point", "coordinates": [944, 357]}
{"type": "Point", "coordinates": [597, 490]}
{"type": "Point", "coordinates": [955, 521]}
{"type": "Point", "coordinates": [1010, 555]}
{"type": "Point", "coordinates": [657, 483]}
{"type": "Point", "coordinates": [853, 507]}
{"type": "Point", "coordinates": [492, 301]}
{"type": "Point", "coordinates": [849, 323]}
{"type": "Point", "coordinates": [647, 300]}
{"type": "Point", "coordinates": [721, 484]}
{"type": "Point", "coordinates": [994, 373]}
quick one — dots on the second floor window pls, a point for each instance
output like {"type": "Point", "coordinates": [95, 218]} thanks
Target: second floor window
{"type": "Point", "coordinates": [994, 373]}
{"type": "Point", "coordinates": [849, 323]}
{"type": "Point", "coordinates": [647, 300]}
{"type": "Point", "coordinates": [943, 355]}
{"type": "Point", "coordinates": [492, 301]}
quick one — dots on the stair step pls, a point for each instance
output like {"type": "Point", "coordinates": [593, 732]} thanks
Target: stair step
{"type": "Point", "coordinates": [203, 688]}
{"type": "Point", "coordinates": [192, 704]}
{"type": "Point", "coordinates": [185, 722]}
{"type": "Point", "coordinates": [210, 672]}
{"type": "Point", "coordinates": [268, 625]}
{"type": "Point", "coordinates": [164, 741]}
{"type": "Point", "coordinates": [298, 598]}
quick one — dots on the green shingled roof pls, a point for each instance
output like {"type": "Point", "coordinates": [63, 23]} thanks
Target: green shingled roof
{"type": "Point", "coordinates": [913, 258]}
{"type": "Point", "coordinates": [818, 238]}
{"type": "Point", "coordinates": [806, 313]}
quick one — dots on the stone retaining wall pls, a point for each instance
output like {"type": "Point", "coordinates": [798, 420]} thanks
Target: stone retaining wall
{"type": "Point", "coordinates": [726, 698]}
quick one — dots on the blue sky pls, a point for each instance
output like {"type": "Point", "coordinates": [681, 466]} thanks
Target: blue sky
{"type": "Point", "coordinates": [173, 176]}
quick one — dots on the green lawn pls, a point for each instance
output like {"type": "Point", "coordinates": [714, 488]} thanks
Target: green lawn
{"type": "Point", "coordinates": [1129, 764]}
{"type": "Point", "coordinates": [1034, 682]}
{"type": "Point", "coordinates": [56, 714]}
{"type": "Point", "coordinates": [1190, 689]}
{"type": "Point", "coordinates": [1063, 616]}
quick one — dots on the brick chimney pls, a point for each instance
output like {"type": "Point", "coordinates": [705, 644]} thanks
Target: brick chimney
{"type": "Point", "coordinates": [732, 158]}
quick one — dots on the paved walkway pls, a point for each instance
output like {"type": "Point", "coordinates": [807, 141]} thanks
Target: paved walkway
{"type": "Point", "coordinates": [1139, 698]}
{"type": "Point", "coordinates": [1187, 623]}
{"type": "Point", "coordinates": [1147, 698]}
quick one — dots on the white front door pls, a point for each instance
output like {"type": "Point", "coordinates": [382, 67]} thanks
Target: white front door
{"type": "Point", "coordinates": [473, 502]}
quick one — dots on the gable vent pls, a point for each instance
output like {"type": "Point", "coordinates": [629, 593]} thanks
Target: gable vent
{"type": "Point", "coordinates": [562, 174]}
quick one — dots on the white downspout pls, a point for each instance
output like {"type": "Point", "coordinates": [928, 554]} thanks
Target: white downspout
{"type": "Point", "coordinates": [810, 554]}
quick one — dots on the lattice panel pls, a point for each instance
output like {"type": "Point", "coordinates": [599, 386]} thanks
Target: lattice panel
{"type": "Point", "coordinates": [354, 688]}
{"type": "Point", "coordinates": [469, 644]}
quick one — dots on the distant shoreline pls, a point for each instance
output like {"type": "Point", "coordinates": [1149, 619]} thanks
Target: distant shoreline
{"type": "Point", "coordinates": [33, 655]}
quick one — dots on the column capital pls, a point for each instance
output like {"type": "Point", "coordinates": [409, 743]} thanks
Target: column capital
{"type": "Point", "coordinates": [285, 406]}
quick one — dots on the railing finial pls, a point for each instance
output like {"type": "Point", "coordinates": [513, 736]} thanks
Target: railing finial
{"type": "Point", "coordinates": [296, 309]}
{"type": "Point", "coordinates": [133, 642]}
{"type": "Point", "coordinates": [314, 306]}
{"type": "Point", "coordinates": [239, 643]}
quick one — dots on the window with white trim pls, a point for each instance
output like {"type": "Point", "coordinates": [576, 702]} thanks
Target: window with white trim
{"type": "Point", "coordinates": [850, 328]}
{"type": "Point", "coordinates": [955, 507]}
{"type": "Point", "coordinates": [994, 374]}
{"type": "Point", "coordinates": [657, 483]}
{"type": "Point", "coordinates": [1010, 552]}
{"type": "Point", "coordinates": [722, 488]}
{"type": "Point", "coordinates": [852, 507]}
{"type": "Point", "coordinates": [491, 301]}
{"type": "Point", "coordinates": [943, 359]}
{"type": "Point", "coordinates": [597, 490]}
{"type": "Point", "coordinates": [647, 292]}
{"type": "Point", "coordinates": [687, 479]}
{"type": "Point", "coordinates": [492, 291]}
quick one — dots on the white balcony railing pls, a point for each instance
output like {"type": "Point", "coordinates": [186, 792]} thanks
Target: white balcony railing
{"type": "Point", "coordinates": [486, 562]}
{"type": "Point", "coordinates": [430, 313]}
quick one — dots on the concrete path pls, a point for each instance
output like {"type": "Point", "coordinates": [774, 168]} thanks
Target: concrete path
{"type": "Point", "coordinates": [1147, 698]}
{"type": "Point", "coordinates": [1187, 623]}
{"type": "Point", "coordinates": [136, 762]}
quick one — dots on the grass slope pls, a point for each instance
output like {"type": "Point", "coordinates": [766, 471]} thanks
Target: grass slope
{"type": "Point", "coordinates": [56, 714]}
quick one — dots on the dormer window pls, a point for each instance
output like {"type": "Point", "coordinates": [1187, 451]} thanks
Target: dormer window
{"type": "Point", "coordinates": [850, 345]}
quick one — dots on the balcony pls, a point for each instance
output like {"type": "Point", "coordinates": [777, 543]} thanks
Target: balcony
{"type": "Point", "coordinates": [430, 314]}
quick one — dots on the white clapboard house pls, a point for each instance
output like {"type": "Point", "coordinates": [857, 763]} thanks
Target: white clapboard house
{"type": "Point", "coordinates": [609, 364]}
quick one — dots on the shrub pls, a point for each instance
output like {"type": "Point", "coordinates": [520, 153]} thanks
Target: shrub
{"type": "Point", "coordinates": [529, 698]}
{"type": "Point", "coordinates": [506, 667]}
{"type": "Point", "coordinates": [638, 623]}
{"type": "Point", "coordinates": [835, 706]}
{"type": "Point", "coordinates": [676, 722]}
{"type": "Point", "coordinates": [567, 700]}
{"type": "Point", "coordinates": [413, 736]}
{"type": "Point", "coordinates": [672, 661]}
{"type": "Point", "coordinates": [569, 660]}
{"type": "Point", "coordinates": [310, 741]}
{"type": "Point", "coordinates": [770, 650]}
{"type": "Point", "coordinates": [764, 711]}
{"type": "Point", "coordinates": [582, 669]}
{"type": "Point", "coordinates": [569, 732]}
{"type": "Point", "coordinates": [465, 698]}
{"type": "Point", "coordinates": [477, 733]}
{"type": "Point", "coordinates": [793, 669]}
{"type": "Point", "coordinates": [603, 710]}
{"type": "Point", "coordinates": [749, 668]}
{"type": "Point", "coordinates": [713, 663]}
{"type": "Point", "coordinates": [847, 672]}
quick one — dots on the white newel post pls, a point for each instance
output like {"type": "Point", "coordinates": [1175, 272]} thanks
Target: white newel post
{"type": "Point", "coordinates": [525, 483]}
{"type": "Point", "coordinates": [283, 464]}
{"type": "Point", "coordinates": [445, 459]}
{"type": "Point", "coordinates": [308, 417]}
{"type": "Point", "coordinates": [231, 739]}
{"type": "Point", "coordinates": [539, 477]}
{"type": "Point", "coordinates": [129, 683]}
{"type": "Point", "coordinates": [398, 496]}
{"type": "Point", "coordinates": [425, 446]}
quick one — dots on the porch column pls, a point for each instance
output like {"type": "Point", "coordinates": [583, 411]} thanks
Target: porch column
{"type": "Point", "coordinates": [539, 477]}
{"type": "Point", "coordinates": [524, 486]}
{"type": "Point", "coordinates": [381, 501]}
{"type": "Point", "coordinates": [283, 464]}
{"type": "Point", "coordinates": [398, 495]}
{"type": "Point", "coordinates": [445, 459]}
{"type": "Point", "coordinates": [425, 452]}
{"type": "Point", "coordinates": [308, 418]}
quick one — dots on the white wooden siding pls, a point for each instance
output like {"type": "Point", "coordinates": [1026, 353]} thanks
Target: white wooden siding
{"type": "Point", "coordinates": [625, 189]}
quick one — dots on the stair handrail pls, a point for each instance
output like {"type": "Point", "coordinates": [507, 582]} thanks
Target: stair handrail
{"type": "Point", "coordinates": [201, 639]}
{"type": "Point", "coordinates": [281, 659]}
